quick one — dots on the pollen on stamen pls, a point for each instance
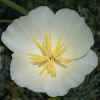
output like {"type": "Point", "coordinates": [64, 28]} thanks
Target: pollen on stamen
{"type": "Point", "coordinates": [49, 56]}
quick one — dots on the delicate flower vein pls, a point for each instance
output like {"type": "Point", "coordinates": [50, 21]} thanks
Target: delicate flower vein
{"type": "Point", "coordinates": [49, 56]}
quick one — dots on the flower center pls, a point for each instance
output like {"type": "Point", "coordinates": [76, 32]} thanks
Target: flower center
{"type": "Point", "coordinates": [49, 56]}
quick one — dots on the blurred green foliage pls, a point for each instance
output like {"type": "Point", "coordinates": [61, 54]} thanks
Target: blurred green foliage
{"type": "Point", "coordinates": [90, 88]}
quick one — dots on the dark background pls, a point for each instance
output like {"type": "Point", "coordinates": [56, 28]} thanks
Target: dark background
{"type": "Point", "coordinates": [89, 89]}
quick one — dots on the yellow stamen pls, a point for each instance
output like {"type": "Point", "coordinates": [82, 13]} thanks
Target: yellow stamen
{"type": "Point", "coordinates": [51, 67]}
{"type": "Point", "coordinates": [38, 56]}
{"type": "Point", "coordinates": [41, 46]}
{"type": "Point", "coordinates": [62, 51]}
{"type": "Point", "coordinates": [48, 58]}
{"type": "Point", "coordinates": [44, 68]}
{"type": "Point", "coordinates": [48, 40]}
{"type": "Point", "coordinates": [63, 60]}
{"type": "Point", "coordinates": [58, 46]}
{"type": "Point", "coordinates": [38, 61]}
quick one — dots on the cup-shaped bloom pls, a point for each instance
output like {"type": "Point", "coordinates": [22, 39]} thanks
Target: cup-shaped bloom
{"type": "Point", "coordinates": [51, 52]}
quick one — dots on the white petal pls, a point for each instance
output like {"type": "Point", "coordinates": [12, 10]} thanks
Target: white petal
{"type": "Point", "coordinates": [85, 65]}
{"type": "Point", "coordinates": [71, 76]}
{"type": "Point", "coordinates": [42, 17]}
{"type": "Point", "coordinates": [74, 32]}
{"type": "Point", "coordinates": [18, 36]}
{"type": "Point", "coordinates": [26, 74]}
{"type": "Point", "coordinates": [15, 37]}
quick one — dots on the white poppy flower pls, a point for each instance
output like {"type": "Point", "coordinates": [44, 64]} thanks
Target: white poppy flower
{"type": "Point", "coordinates": [51, 51]}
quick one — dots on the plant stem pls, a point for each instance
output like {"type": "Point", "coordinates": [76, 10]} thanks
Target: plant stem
{"type": "Point", "coordinates": [15, 6]}
{"type": "Point", "coordinates": [5, 21]}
